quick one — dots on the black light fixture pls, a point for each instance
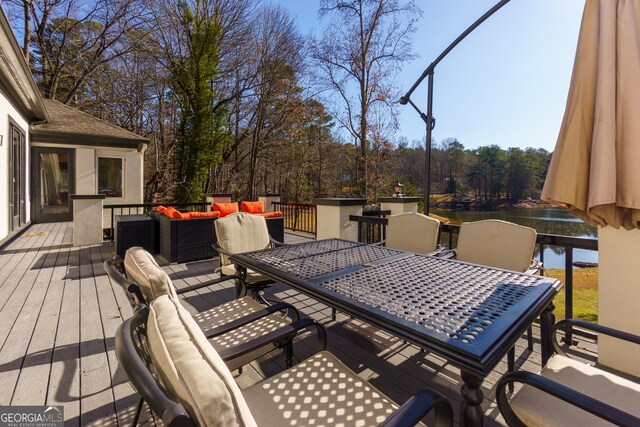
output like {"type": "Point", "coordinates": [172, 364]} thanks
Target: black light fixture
{"type": "Point", "coordinates": [399, 190]}
{"type": "Point", "coordinates": [428, 118]}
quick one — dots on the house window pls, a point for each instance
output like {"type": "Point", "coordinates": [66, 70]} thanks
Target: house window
{"type": "Point", "coordinates": [110, 176]}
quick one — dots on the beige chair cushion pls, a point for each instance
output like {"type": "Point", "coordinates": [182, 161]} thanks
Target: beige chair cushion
{"type": "Point", "coordinates": [496, 243]}
{"type": "Point", "coordinates": [143, 269]}
{"type": "Point", "coordinates": [412, 232]}
{"type": "Point", "coordinates": [191, 369]}
{"type": "Point", "coordinates": [241, 232]}
{"type": "Point", "coordinates": [536, 408]}
{"type": "Point", "coordinates": [320, 391]}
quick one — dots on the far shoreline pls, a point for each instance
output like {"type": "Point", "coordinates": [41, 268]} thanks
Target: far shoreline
{"type": "Point", "coordinates": [466, 202]}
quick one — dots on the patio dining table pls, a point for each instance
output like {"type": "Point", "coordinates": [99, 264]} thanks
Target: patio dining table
{"type": "Point", "coordinates": [469, 314]}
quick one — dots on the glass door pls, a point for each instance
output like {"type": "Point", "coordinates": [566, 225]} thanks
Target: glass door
{"type": "Point", "coordinates": [54, 181]}
{"type": "Point", "coordinates": [17, 171]}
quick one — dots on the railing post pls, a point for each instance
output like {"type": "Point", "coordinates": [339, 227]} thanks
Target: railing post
{"type": "Point", "coordinates": [87, 219]}
{"type": "Point", "coordinates": [568, 293]}
{"type": "Point", "coordinates": [113, 233]}
{"type": "Point", "coordinates": [333, 217]}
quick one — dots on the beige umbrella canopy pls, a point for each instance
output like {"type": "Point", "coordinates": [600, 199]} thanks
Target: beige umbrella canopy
{"type": "Point", "coordinates": [595, 168]}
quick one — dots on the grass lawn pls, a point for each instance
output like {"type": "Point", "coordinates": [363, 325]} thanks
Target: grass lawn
{"type": "Point", "coordinates": [585, 293]}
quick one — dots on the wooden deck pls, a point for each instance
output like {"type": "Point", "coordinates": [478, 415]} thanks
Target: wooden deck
{"type": "Point", "coordinates": [59, 312]}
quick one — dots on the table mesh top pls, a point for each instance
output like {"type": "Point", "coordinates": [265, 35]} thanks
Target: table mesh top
{"type": "Point", "coordinates": [315, 259]}
{"type": "Point", "coordinates": [451, 298]}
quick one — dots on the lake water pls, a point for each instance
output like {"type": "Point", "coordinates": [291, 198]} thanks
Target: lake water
{"type": "Point", "coordinates": [543, 220]}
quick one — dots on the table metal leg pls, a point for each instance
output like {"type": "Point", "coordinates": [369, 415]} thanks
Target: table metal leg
{"type": "Point", "coordinates": [472, 397]}
{"type": "Point", "coordinates": [547, 319]}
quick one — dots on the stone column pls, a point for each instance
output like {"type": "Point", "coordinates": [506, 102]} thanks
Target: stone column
{"type": "Point", "coordinates": [87, 219]}
{"type": "Point", "coordinates": [212, 198]}
{"type": "Point", "coordinates": [268, 200]}
{"type": "Point", "coordinates": [399, 205]}
{"type": "Point", "coordinates": [333, 218]}
{"type": "Point", "coordinates": [619, 296]}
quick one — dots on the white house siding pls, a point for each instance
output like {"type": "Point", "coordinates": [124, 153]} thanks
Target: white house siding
{"type": "Point", "coordinates": [133, 181]}
{"type": "Point", "coordinates": [7, 110]}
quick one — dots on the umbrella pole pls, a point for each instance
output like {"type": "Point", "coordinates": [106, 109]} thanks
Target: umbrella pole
{"type": "Point", "coordinates": [428, 118]}
{"type": "Point", "coordinates": [431, 122]}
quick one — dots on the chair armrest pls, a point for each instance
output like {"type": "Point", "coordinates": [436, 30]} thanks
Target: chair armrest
{"type": "Point", "coordinates": [219, 249]}
{"type": "Point", "coordinates": [243, 285]}
{"type": "Point", "coordinates": [276, 243]}
{"type": "Point", "coordinates": [380, 243]}
{"type": "Point", "coordinates": [577, 399]}
{"type": "Point", "coordinates": [279, 337]}
{"type": "Point", "coordinates": [614, 333]}
{"type": "Point", "coordinates": [252, 317]}
{"type": "Point", "coordinates": [534, 267]}
{"type": "Point", "coordinates": [417, 407]}
{"type": "Point", "coordinates": [113, 268]}
{"type": "Point", "coordinates": [438, 251]}
{"type": "Point", "coordinates": [446, 254]}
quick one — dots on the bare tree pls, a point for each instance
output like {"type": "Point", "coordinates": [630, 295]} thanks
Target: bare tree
{"type": "Point", "coordinates": [67, 41]}
{"type": "Point", "coordinates": [362, 47]}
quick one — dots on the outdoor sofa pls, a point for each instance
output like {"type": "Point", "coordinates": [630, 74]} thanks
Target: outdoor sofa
{"type": "Point", "coordinates": [184, 240]}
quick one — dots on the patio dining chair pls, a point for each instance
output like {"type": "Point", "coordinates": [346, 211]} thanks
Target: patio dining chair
{"type": "Point", "coordinates": [228, 325]}
{"type": "Point", "coordinates": [243, 232]}
{"type": "Point", "coordinates": [413, 232]}
{"type": "Point", "coordinates": [568, 392]}
{"type": "Point", "coordinates": [184, 381]}
{"type": "Point", "coordinates": [499, 244]}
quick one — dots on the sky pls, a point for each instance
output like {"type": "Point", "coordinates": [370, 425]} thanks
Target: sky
{"type": "Point", "coordinates": [505, 84]}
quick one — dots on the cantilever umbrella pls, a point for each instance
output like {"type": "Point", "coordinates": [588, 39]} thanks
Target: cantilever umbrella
{"type": "Point", "coordinates": [595, 168]}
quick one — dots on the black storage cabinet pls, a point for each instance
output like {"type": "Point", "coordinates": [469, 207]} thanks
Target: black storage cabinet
{"type": "Point", "coordinates": [134, 230]}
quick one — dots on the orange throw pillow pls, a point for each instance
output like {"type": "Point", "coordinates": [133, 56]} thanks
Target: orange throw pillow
{"type": "Point", "coordinates": [225, 208]}
{"type": "Point", "coordinates": [173, 213]}
{"type": "Point", "coordinates": [276, 214]}
{"type": "Point", "coordinates": [185, 215]}
{"type": "Point", "coordinates": [214, 214]}
{"type": "Point", "coordinates": [253, 207]}
{"type": "Point", "coordinates": [161, 208]}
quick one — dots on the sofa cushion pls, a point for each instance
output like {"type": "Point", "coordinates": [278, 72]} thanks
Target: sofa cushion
{"type": "Point", "coordinates": [225, 208]}
{"type": "Point", "coordinates": [189, 367]}
{"type": "Point", "coordinates": [276, 214]}
{"type": "Point", "coordinates": [537, 408]}
{"type": "Point", "coordinates": [173, 213]}
{"type": "Point", "coordinates": [253, 207]}
{"type": "Point", "coordinates": [143, 269]}
{"type": "Point", "coordinates": [212, 214]}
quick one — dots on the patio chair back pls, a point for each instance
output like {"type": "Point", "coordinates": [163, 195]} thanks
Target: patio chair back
{"type": "Point", "coordinates": [496, 243]}
{"type": "Point", "coordinates": [142, 268]}
{"type": "Point", "coordinates": [134, 358]}
{"type": "Point", "coordinates": [241, 232]}
{"type": "Point", "coordinates": [412, 232]}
